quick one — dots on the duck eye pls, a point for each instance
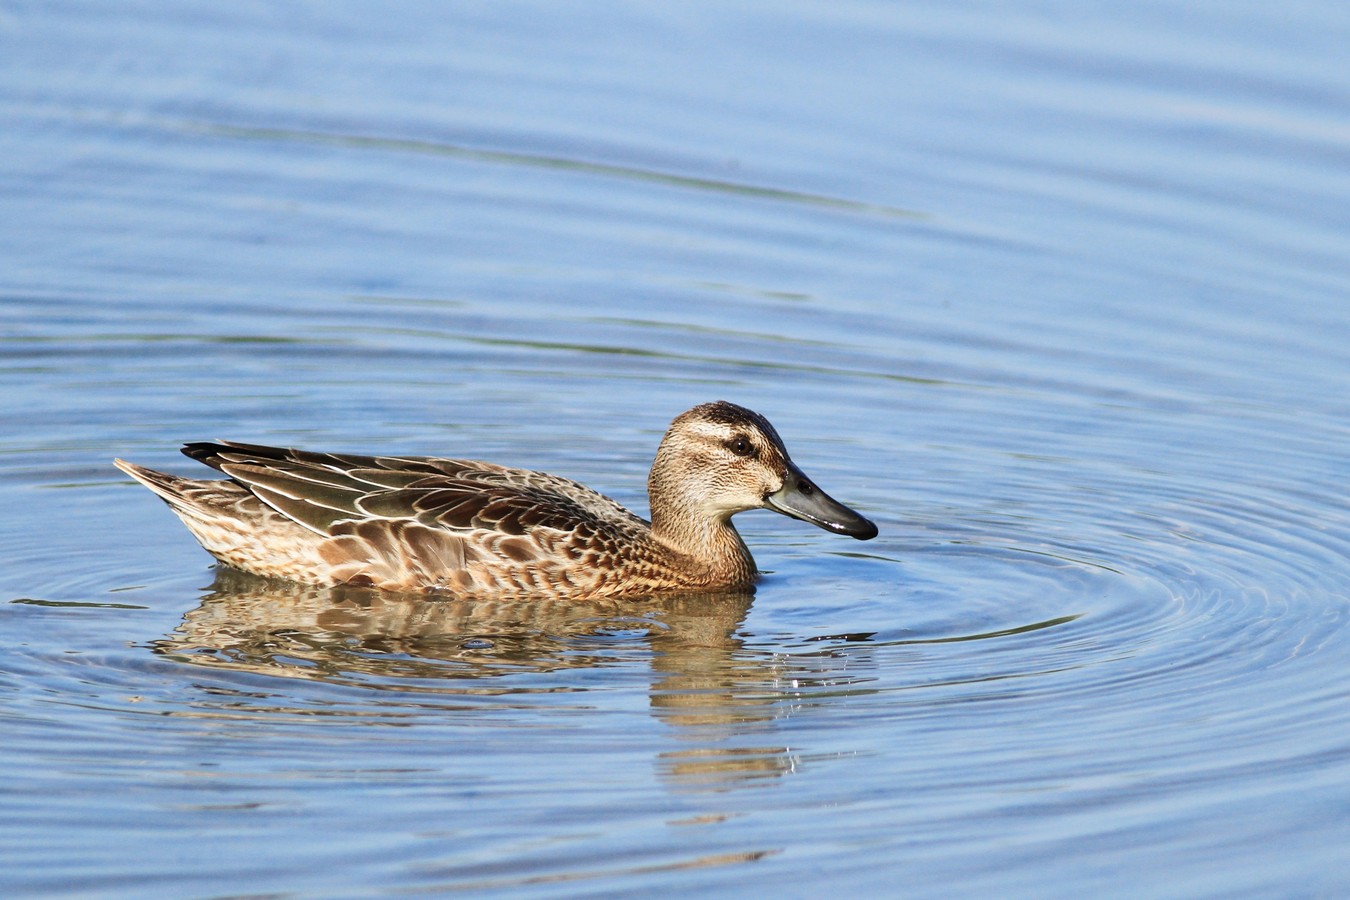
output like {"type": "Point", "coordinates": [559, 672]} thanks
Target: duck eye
{"type": "Point", "coordinates": [741, 447]}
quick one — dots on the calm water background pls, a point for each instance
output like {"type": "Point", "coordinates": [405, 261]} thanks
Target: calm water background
{"type": "Point", "coordinates": [1057, 293]}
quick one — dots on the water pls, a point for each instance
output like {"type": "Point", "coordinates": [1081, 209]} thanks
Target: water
{"type": "Point", "coordinates": [1054, 293]}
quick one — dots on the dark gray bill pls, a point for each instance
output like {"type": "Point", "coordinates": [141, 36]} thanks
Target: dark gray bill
{"type": "Point", "coordinates": [801, 499]}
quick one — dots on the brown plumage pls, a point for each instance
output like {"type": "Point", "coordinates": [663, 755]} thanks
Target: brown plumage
{"type": "Point", "coordinates": [480, 530]}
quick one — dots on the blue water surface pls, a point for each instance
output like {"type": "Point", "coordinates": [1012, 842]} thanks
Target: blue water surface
{"type": "Point", "coordinates": [1056, 293]}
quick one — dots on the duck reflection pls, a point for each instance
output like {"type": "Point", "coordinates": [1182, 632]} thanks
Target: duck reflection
{"type": "Point", "coordinates": [720, 698]}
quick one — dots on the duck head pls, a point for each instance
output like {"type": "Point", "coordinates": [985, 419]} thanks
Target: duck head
{"type": "Point", "coordinates": [719, 459]}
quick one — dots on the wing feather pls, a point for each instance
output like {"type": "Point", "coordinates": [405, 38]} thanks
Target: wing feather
{"type": "Point", "coordinates": [322, 491]}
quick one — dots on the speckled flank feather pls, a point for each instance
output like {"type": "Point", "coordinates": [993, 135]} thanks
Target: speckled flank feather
{"type": "Point", "coordinates": [480, 530]}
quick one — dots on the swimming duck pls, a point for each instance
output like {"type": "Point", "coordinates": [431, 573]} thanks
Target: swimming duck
{"type": "Point", "coordinates": [479, 530]}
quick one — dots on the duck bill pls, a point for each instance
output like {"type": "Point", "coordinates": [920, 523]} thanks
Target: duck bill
{"type": "Point", "coordinates": [800, 498]}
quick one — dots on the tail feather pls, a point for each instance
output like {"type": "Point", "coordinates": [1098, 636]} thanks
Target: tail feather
{"type": "Point", "coordinates": [170, 488]}
{"type": "Point", "coordinates": [234, 526]}
{"type": "Point", "coordinates": [207, 501]}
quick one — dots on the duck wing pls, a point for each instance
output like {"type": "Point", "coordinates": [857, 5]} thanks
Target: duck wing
{"type": "Point", "coordinates": [324, 491]}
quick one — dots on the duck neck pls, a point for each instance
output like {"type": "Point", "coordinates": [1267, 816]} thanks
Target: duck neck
{"type": "Point", "coordinates": [709, 544]}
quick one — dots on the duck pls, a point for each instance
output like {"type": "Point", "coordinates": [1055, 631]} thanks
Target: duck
{"type": "Point", "coordinates": [478, 530]}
